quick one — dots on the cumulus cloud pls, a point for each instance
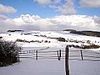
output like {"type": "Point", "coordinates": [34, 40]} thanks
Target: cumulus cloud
{"type": "Point", "coordinates": [47, 2]}
{"type": "Point", "coordinates": [6, 9]}
{"type": "Point", "coordinates": [58, 5]}
{"type": "Point", "coordinates": [90, 3]}
{"type": "Point", "coordinates": [3, 17]}
{"type": "Point", "coordinates": [43, 2]}
{"type": "Point", "coordinates": [34, 22]}
{"type": "Point", "coordinates": [68, 8]}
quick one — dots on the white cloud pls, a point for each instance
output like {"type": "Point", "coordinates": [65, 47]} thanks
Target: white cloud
{"type": "Point", "coordinates": [6, 9]}
{"type": "Point", "coordinates": [3, 17]}
{"type": "Point", "coordinates": [43, 2]}
{"type": "Point", "coordinates": [34, 22]}
{"type": "Point", "coordinates": [64, 8]}
{"type": "Point", "coordinates": [68, 8]}
{"type": "Point", "coordinates": [47, 2]}
{"type": "Point", "coordinates": [57, 1]}
{"type": "Point", "coordinates": [90, 3]}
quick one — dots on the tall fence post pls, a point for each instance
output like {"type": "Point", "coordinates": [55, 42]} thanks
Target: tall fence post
{"type": "Point", "coordinates": [81, 54]}
{"type": "Point", "coordinates": [36, 55]}
{"type": "Point", "coordinates": [59, 54]}
{"type": "Point", "coordinates": [67, 60]}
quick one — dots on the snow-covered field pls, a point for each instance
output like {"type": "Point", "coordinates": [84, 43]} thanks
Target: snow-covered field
{"type": "Point", "coordinates": [48, 38]}
{"type": "Point", "coordinates": [45, 40]}
{"type": "Point", "coordinates": [51, 67]}
{"type": "Point", "coordinates": [30, 66]}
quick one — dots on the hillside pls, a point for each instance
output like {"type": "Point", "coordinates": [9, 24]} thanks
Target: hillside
{"type": "Point", "coordinates": [52, 39]}
{"type": "Point", "coordinates": [88, 33]}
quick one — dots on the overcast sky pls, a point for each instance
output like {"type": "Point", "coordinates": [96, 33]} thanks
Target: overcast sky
{"type": "Point", "coordinates": [50, 14]}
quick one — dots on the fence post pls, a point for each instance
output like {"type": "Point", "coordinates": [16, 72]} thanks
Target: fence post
{"type": "Point", "coordinates": [67, 60]}
{"type": "Point", "coordinates": [36, 55]}
{"type": "Point", "coordinates": [59, 54]}
{"type": "Point", "coordinates": [81, 54]}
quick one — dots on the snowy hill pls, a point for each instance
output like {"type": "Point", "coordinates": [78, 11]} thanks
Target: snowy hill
{"type": "Point", "coordinates": [50, 39]}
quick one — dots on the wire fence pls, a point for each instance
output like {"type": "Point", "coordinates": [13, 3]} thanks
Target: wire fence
{"type": "Point", "coordinates": [84, 55]}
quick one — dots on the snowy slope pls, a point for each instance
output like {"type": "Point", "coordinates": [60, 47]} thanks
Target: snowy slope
{"type": "Point", "coordinates": [49, 66]}
{"type": "Point", "coordinates": [48, 38]}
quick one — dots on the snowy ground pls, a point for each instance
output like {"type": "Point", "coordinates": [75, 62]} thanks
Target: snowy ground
{"type": "Point", "coordinates": [30, 66]}
{"type": "Point", "coordinates": [51, 67]}
{"type": "Point", "coordinates": [84, 68]}
{"type": "Point", "coordinates": [47, 38]}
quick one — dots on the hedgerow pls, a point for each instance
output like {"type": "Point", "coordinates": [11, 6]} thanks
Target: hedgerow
{"type": "Point", "coordinates": [9, 53]}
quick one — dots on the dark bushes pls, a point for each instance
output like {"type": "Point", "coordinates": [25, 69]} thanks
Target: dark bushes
{"type": "Point", "coordinates": [20, 40]}
{"type": "Point", "coordinates": [92, 46]}
{"type": "Point", "coordinates": [61, 39]}
{"type": "Point", "coordinates": [9, 53]}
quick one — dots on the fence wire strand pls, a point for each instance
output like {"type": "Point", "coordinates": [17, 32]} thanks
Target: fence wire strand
{"type": "Point", "coordinates": [85, 55]}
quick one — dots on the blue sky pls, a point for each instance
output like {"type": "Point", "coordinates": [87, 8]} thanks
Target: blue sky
{"type": "Point", "coordinates": [33, 8]}
{"type": "Point", "coordinates": [29, 7]}
{"type": "Point", "coordinates": [50, 14]}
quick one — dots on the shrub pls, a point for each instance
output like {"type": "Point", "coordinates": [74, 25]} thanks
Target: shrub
{"type": "Point", "coordinates": [92, 46]}
{"type": "Point", "coordinates": [88, 41]}
{"type": "Point", "coordinates": [61, 39]}
{"type": "Point", "coordinates": [9, 53]}
{"type": "Point", "coordinates": [0, 37]}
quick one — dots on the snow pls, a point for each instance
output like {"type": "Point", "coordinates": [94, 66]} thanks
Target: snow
{"type": "Point", "coordinates": [42, 36]}
{"type": "Point", "coordinates": [84, 67]}
{"type": "Point", "coordinates": [31, 66]}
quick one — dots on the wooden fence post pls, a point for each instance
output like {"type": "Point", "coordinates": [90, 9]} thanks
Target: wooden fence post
{"type": "Point", "coordinates": [59, 54]}
{"type": "Point", "coordinates": [81, 54]}
{"type": "Point", "coordinates": [67, 60]}
{"type": "Point", "coordinates": [36, 55]}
